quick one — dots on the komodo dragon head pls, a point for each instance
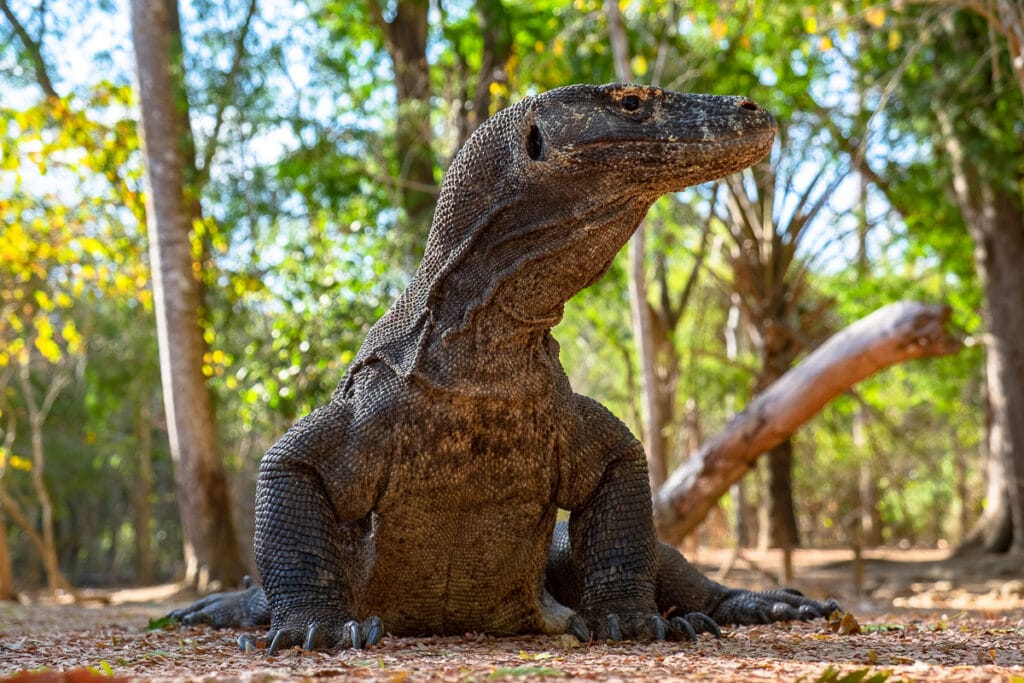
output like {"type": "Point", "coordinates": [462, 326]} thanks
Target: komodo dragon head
{"type": "Point", "coordinates": [541, 198]}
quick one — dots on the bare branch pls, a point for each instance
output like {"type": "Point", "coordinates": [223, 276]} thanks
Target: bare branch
{"type": "Point", "coordinates": [231, 79]}
{"type": "Point", "coordinates": [34, 48]}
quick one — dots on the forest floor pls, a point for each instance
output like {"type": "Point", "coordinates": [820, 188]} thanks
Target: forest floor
{"type": "Point", "coordinates": [921, 618]}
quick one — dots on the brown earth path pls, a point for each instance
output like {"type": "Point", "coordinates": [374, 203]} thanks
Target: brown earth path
{"type": "Point", "coordinates": [923, 619]}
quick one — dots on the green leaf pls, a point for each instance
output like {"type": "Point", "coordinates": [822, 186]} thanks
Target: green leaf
{"type": "Point", "coordinates": [539, 671]}
{"type": "Point", "coordinates": [160, 623]}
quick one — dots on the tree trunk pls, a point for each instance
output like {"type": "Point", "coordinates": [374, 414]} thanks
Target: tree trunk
{"type": "Point", "coordinates": [6, 574]}
{"type": "Point", "coordinates": [38, 411]}
{"type": "Point", "coordinates": [496, 35]}
{"type": "Point", "coordinates": [211, 546]}
{"type": "Point", "coordinates": [406, 39]}
{"type": "Point", "coordinates": [995, 218]}
{"type": "Point", "coordinates": [142, 503]}
{"type": "Point", "coordinates": [777, 519]}
{"type": "Point", "coordinates": [890, 335]}
{"type": "Point", "coordinates": [652, 429]}
{"type": "Point", "coordinates": [778, 523]}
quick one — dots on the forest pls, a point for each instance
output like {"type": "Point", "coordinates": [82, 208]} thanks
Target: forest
{"type": "Point", "coordinates": [303, 147]}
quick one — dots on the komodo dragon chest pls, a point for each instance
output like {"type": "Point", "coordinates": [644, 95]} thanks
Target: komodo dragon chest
{"type": "Point", "coordinates": [459, 535]}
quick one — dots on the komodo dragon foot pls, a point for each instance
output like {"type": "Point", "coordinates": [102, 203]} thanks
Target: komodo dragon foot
{"type": "Point", "coordinates": [743, 607]}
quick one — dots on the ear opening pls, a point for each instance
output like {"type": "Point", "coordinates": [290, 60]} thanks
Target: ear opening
{"type": "Point", "coordinates": [535, 143]}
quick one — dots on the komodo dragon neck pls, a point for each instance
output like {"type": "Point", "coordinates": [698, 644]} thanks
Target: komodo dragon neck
{"type": "Point", "coordinates": [533, 209]}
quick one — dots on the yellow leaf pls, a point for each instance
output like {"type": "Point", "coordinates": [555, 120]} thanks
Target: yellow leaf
{"type": "Point", "coordinates": [826, 44]}
{"type": "Point", "coordinates": [558, 48]}
{"type": "Point", "coordinates": [44, 300]}
{"type": "Point", "coordinates": [718, 29]}
{"type": "Point", "coordinates": [14, 461]}
{"type": "Point", "coordinates": [811, 24]}
{"type": "Point", "coordinates": [122, 283]}
{"type": "Point", "coordinates": [639, 65]}
{"type": "Point", "coordinates": [70, 334]}
{"type": "Point", "coordinates": [875, 16]}
{"type": "Point", "coordinates": [20, 463]}
{"type": "Point", "coordinates": [48, 348]}
{"type": "Point", "coordinates": [895, 38]}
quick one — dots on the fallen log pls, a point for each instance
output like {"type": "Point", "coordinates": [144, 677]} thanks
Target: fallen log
{"type": "Point", "coordinates": [893, 334]}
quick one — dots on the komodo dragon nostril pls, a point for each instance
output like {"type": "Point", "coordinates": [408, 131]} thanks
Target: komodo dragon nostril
{"type": "Point", "coordinates": [749, 105]}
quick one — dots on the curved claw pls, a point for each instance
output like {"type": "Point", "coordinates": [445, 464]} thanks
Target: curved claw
{"type": "Point", "coordinates": [352, 627]}
{"type": "Point", "coordinates": [311, 637]}
{"type": "Point", "coordinates": [246, 643]}
{"type": "Point", "coordinates": [578, 628]}
{"type": "Point", "coordinates": [705, 623]}
{"type": "Point", "coordinates": [659, 627]}
{"type": "Point", "coordinates": [614, 631]}
{"type": "Point", "coordinates": [277, 643]}
{"type": "Point", "coordinates": [685, 626]}
{"type": "Point", "coordinates": [374, 631]}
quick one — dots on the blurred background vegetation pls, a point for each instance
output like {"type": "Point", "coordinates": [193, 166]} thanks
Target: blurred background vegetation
{"type": "Point", "coordinates": [321, 132]}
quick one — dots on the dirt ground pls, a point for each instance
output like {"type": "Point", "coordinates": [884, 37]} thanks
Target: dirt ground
{"type": "Point", "coordinates": [921, 618]}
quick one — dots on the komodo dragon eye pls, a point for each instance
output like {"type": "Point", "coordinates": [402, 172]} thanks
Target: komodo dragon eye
{"type": "Point", "coordinates": [535, 143]}
{"type": "Point", "coordinates": [631, 102]}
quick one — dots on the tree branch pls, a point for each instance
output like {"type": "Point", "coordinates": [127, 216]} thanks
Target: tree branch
{"type": "Point", "coordinates": [34, 49]}
{"type": "Point", "coordinates": [231, 79]}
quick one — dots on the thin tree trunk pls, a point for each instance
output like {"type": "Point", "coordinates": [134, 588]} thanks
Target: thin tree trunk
{"type": "Point", "coordinates": [38, 411]}
{"type": "Point", "coordinates": [778, 524]}
{"type": "Point", "coordinates": [6, 574]}
{"type": "Point", "coordinates": [496, 35]}
{"type": "Point", "coordinates": [405, 37]}
{"type": "Point", "coordinates": [142, 496]}
{"type": "Point", "coordinates": [870, 529]}
{"type": "Point", "coordinates": [211, 546]}
{"type": "Point", "coordinates": [643, 333]}
{"type": "Point", "coordinates": [890, 335]}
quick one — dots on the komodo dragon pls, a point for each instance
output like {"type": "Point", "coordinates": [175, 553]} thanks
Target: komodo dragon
{"type": "Point", "coordinates": [422, 498]}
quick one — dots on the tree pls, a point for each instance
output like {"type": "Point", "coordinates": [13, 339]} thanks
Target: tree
{"type": "Point", "coordinates": [211, 547]}
{"type": "Point", "coordinates": [966, 115]}
{"type": "Point", "coordinates": [767, 224]}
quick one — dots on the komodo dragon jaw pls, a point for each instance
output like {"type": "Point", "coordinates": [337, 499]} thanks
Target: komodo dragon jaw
{"type": "Point", "coordinates": [423, 497]}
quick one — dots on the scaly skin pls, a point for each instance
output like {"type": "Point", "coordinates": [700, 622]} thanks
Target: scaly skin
{"type": "Point", "coordinates": [422, 497]}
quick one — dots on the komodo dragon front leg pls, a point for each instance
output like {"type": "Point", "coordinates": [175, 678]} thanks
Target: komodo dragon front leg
{"type": "Point", "coordinates": [682, 590]}
{"type": "Point", "coordinates": [612, 545]}
{"type": "Point", "coordinates": [607, 565]}
{"type": "Point", "coordinates": [316, 489]}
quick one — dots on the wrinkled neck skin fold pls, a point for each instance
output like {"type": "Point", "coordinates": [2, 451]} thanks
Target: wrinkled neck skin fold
{"type": "Point", "coordinates": [533, 209]}
{"type": "Point", "coordinates": [494, 304]}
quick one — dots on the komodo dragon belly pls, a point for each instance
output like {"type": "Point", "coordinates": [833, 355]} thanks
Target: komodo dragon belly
{"type": "Point", "coordinates": [460, 534]}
